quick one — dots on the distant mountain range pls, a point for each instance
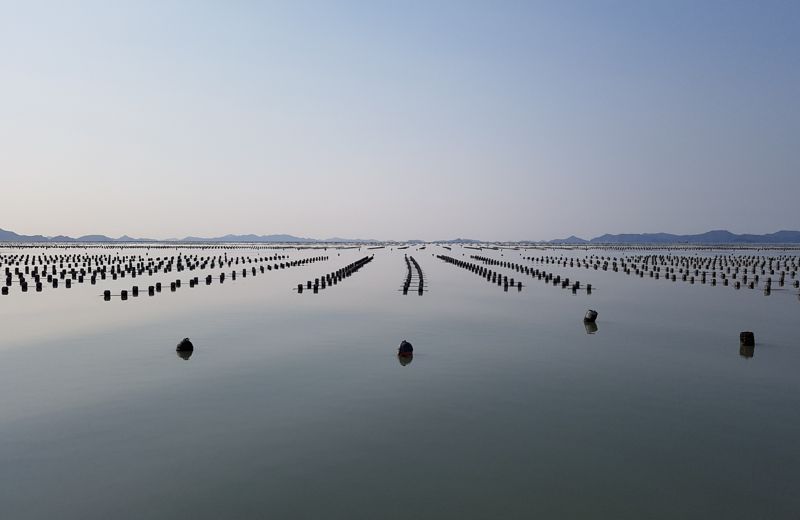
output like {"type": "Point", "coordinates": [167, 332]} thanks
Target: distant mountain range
{"type": "Point", "coordinates": [459, 241]}
{"type": "Point", "coordinates": [719, 236]}
{"type": "Point", "coordinates": [273, 238]}
{"type": "Point", "coordinates": [710, 237]}
{"type": "Point", "coordinates": [10, 236]}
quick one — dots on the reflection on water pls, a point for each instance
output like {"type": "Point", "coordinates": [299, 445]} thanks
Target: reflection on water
{"type": "Point", "coordinates": [405, 359]}
{"type": "Point", "coordinates": [184, 354]}
{"type": "Point", "coordinates": [591, 326]}
{"type": "Point", "coordinates": [747, 351]}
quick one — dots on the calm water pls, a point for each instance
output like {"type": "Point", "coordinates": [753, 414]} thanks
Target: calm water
{"type": "Point", "coordinates": [295, 405]}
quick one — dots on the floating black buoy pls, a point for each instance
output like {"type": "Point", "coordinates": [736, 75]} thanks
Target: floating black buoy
{"type": "Point", "coordinates": [591, 316]}
{"type": "Point", "coordinates": [185, 345]}
{"type": "Point", "coordinates": [405, 353]}
{"type": "Point", "coordinates": [747, 339]}
{"type": "Point", "coordinates": [405, 349]}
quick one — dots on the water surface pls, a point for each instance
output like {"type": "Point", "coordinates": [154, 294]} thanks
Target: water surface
{"type": "Point", "coordinates": [296, 405]}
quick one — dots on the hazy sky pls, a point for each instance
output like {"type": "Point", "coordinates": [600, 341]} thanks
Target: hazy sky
{"type": "Point", "coordinates": [491, 120]}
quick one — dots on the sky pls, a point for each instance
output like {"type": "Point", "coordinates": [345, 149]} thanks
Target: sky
{"type": "Point", "coordinates": [399, 119]}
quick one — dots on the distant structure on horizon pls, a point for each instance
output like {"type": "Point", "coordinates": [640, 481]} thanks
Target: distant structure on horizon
{"type": "Point", "coordinates": [709, 237]}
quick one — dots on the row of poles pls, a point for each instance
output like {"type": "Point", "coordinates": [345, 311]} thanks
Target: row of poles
{"type": "Point", "coordinates": [555, 279]}
{"type": "Point", "coordinates": [483, 272]}
{"type": "Point", "coordinates": [175, 285]}
{"type": "Point", "coordinates": [49, 269]}
{"type": "Point", "coordinates": [410, 261]}
{"type": "Point", "coordinates": [736, 272]}
{"type": "Point", "coordinates": [335, 277]}
{"type": "Point", "coordinates": [783, 264]}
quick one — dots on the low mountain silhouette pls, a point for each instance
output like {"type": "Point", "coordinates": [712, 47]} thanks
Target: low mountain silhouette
{"type": "Point", "coordinates": [717, 236]}
{"type": "Point", "coordinates": [569, 240]}
{"type": "Point", "coordinates": [10, 236]}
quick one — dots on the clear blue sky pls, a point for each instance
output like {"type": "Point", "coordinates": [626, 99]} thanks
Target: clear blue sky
{"type": "Point", "coordinates": [492, 120]}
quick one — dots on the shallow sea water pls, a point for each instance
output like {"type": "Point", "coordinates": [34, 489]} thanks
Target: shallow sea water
{"type": "Point", "coordinates": [295, 405]}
